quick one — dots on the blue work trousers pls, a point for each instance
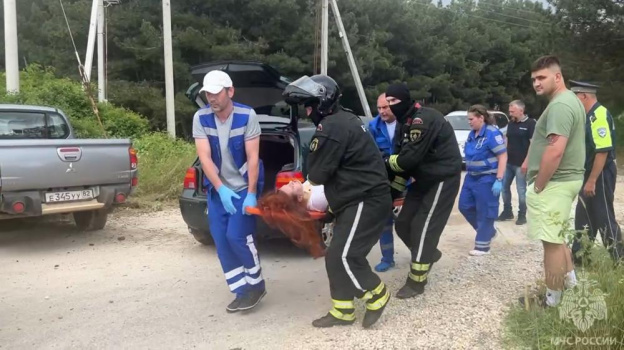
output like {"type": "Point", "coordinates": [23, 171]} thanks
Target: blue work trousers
{"type": "Point", "coordinates": [479, 206]}
{"type": "Point", "coordinates": [386, 242]}
{"type": "Point", "coordinates": [234, 238]}
{"type": "Point", "coordinates": [521, 185]}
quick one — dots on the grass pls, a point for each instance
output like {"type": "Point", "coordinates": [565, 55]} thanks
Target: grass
{"type": "Point", "coordinates": [162, 165]}
{"type": "Point", "coordinates": [579, 322]}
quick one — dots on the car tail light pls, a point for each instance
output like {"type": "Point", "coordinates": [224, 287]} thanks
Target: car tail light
{"type": "Point", "coordinates": [134, 160]}
{"type": "Point", "coordinates": [284, 177]}
{"type": "Point", "coordinates": [18, 207]}
{"type": "Point", "coordinates": [190, 179]}
{"type": "Point", "coordinates": [120, 198]}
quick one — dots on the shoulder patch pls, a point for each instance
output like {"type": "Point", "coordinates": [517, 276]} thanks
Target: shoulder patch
{"type": "Point", "coordinates": [314, 144]}
{"type": "Point", "coordinates": [499, 139]}
{"type": "Point", "coordinates": [415, 135]}
{"type": "Point", "coordinates": [602, 132]}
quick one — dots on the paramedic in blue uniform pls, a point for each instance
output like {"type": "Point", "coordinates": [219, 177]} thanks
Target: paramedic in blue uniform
{"type": "Point", "coordinates": [594, 209]}
{"type": "Point", "coordinates": [227, 138]}
{"type": "Point", "coordinates": [382, 128]}
{"type": "Point", "coordinates": [486, 161]}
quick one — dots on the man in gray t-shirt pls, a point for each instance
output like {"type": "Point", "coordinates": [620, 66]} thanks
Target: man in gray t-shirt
{"type": "Point", "coordinates": [227, 138]}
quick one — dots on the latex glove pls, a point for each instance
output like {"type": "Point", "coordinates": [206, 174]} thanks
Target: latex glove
{"type": "Point", "coordinates": [250, 201]}
{"type": "Point", "coordinates": [226, 196]}
{"type": "Point", "coordinates": [497, 187]}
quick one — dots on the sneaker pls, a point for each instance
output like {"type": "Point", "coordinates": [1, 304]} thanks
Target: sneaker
{"type": "Point", "coordinates": [505, 215]}
{"type": "Point", "coordinates": [521, 220]}
{"type": "Point", "coordinates": [384, 266]}
{"type": "Point", "coordinates": [330, 321]}
{"type": "Point", "coordinates": [233, 306]}
{"type": "Point", "coordinates": [251, 299]}
{"type": "Point", "coordinates": [476, 252]}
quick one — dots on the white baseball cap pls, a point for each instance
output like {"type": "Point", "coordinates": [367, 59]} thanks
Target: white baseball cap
{"type": "Point", "coordinates": [215, 81]}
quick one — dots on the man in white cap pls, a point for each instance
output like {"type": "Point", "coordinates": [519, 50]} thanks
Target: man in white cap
{"type": "Point", "coordinates": [227, 138]}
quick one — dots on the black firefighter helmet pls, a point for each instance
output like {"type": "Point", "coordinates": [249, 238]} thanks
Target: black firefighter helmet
{"type": "Point", "coordinates": [320, 91]}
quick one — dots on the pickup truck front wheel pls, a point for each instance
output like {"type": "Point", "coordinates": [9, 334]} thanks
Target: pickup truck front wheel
{"type": "Point", "coordinates": [91, 220]}
{"type": "Point", "coordinates": [202, 237]}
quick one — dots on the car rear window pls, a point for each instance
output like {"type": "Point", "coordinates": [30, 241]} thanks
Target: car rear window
{"type": "Point", "coordinates": [32, 125]}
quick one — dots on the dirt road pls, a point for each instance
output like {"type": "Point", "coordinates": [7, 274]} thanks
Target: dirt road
{"type": "Point", "coordinates": [144, 282]}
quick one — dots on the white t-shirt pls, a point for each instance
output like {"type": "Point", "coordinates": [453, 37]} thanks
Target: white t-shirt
{"type": "Point", "coordinates": [317, 201]}
{"type": "Point", "coordinates": [391, 128]}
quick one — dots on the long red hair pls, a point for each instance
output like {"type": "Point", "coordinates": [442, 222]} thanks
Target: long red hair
{"type": "Point", "coordinates": [286, 214]}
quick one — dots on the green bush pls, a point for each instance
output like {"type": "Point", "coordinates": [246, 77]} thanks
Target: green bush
{"type": "Point", "coordinates": [162, 165]}
{"type": "Point", "coordinates": [39, 86]}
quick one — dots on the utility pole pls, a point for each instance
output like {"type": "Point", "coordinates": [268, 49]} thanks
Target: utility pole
{"type": "Point", "coordinates": [91, 39]}
{"type": "Point", "coordinates": [10, 47]}
{"type": "Point", "coordinates": [352, 65]}
{"type": "Point", "coordinates": [169, 93]}
{"type": "Point", "coordinates": [100, 42]}
{"type": "Point", "coordinates": [324, 35]}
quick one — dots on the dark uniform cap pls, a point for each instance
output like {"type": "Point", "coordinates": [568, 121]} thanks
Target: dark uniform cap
{"type": "Point", "coordinates": [579, 86]}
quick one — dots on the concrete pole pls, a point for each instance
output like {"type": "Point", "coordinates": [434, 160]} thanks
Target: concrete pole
{"type": "Point", "coordinates": [100, 46]}
{"type": "Point", "coordinates": [324, 35]}
{"type": "Point", "coordinates": [352, 65]}
{"type": "Point", "coordinates": [10, 47]}
{"type": "Point", "coordinates": [169, 93]}
{"type": "Point", "coordinates": [91, 39]}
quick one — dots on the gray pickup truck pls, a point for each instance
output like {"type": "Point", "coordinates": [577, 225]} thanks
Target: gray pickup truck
{"type": "Point", "coordinates": [45, 170]}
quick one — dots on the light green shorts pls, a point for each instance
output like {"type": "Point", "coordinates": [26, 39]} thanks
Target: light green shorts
{"type": "Point", "coordinates": [549, 211]}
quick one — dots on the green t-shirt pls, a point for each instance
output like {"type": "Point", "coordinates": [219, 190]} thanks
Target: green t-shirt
{"type": "Point", "coordinates": [563, 116]}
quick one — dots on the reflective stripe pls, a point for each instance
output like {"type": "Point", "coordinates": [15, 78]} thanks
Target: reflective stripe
{"type": "Point", "coordinates": [418, 278]}
{"type": "Point", "coordinates": [237, 132]}
{"type": "Point", "coordinates": [342, 316]}
{"type": "Point", "coordinates": [379, 288]}
{"type": "Point", "coordinates": [423, 234]}
{"type": "Point", "coordinates": [253, 281]}
{"type": "Point", "coordinates": [387, 246]}
{"type": "Point", "coordinates": [420, 267]}
{"type": "Point", "coordinates": [233, 273]}
{"type": "Point", "coordinates": [237, 284]}
{"type": "Point", "coordinates": [343, 304]}
{"type": "Point", "coordinates": [394, 165]}
{"type": "Point", "coordinates": [210, 131]}
{"type": "Point", "coordinates": [475, 163]}
{"type": "Point", "coordinates": [400, 180]}
{"type": "Point", "coordinates": [491, 171]}
{"type": "Point", "coordinates": [498, 148]}
{"type": "Point", "coordinates": [253, 270]}
{"type": "Point", "coordinates": [242, 170]}
{"type": "Point", "coordinates": [378, 304]}
{"type": "Point", "coordinates": [356, 222]}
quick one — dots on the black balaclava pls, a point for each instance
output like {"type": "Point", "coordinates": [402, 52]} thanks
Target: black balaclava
{"type": "Point", "coordinates": [401, 92]}
{"type": "Point", "coordinates": [315, 115]}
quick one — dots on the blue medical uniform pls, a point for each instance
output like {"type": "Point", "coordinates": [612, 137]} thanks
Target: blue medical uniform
{"type": "Point", "coordinates": [477, 202]}
{"type": "Point", "coordinates": [233, 234]}
{"type": "Point", "coordinates": [379, 131]}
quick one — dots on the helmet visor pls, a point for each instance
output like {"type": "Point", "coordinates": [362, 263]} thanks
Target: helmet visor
{"type": "Point", "coordinates": [303, 90]}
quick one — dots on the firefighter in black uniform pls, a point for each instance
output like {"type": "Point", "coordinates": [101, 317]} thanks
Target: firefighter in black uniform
{"type": "Point", "coordinates": [344, 158]}
{"type": "Point", "coordinates": [425, 149]}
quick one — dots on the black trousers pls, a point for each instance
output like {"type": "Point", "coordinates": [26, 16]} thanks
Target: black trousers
{"type": "Point", "coordinates": [598, 215]}
{"type": "Point", "coordinates": [357, 229]}
{"type": "Point", "coordinates": [424, 215]}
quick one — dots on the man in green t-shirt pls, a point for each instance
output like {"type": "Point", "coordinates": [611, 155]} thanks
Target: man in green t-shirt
{"type": "Point", "coordinates": [556, 164]}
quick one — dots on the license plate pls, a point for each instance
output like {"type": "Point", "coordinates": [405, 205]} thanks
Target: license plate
{"type": "Point", "coordinates": [68, 196]}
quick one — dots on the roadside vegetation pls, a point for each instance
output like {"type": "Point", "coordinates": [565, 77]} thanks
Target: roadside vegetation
{"type": "Point", "coordinates": [590, 316]}
{"type": "Point", "coordinates": [162, 160]}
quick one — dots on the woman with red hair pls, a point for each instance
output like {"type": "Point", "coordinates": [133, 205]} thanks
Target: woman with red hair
{"type": "Point", "coordinates": [288, 209]}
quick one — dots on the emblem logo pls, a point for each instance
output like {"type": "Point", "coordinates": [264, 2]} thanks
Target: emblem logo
{"type": "Point", "coordinates": [415, 135]}
{"type": "Point", "coordinates": [584, 304]}
{"type": "Point", "coordinates": [499, 139]}
{"type": "Point", "coordinates": [602, 132]}
{"type": "Point", "coordinates": [71, 168]}
{"type": "Point", "coordinates": [314, 145]}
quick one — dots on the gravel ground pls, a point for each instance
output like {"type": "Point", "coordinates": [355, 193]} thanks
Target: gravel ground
{"type": "Point", "coordinates": [143, 282]}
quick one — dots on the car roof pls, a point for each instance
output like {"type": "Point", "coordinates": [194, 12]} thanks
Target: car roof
{"type": "Point", "coordinates": [8, 107]}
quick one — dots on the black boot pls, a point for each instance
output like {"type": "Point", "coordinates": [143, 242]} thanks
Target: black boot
{"type": "Point", "coordinates": [330, 321]}
{"type": "Point", "coordinates": [505, 215]}
{"type": "Point", "coordinates": [411, 289]}
{"type": "Point", "coordinates": [521, 219]}
{"type": "Point", "coordinates": [375, 306]}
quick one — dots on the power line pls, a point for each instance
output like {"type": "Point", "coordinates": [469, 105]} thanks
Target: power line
{"type": "Point", "coordinates": [505, 8]}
